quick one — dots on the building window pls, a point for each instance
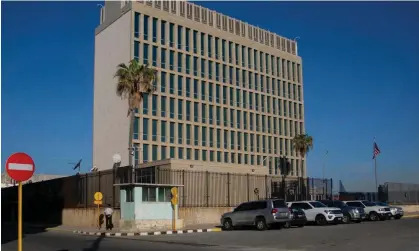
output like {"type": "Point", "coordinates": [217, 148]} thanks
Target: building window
{"type": "Point", "coordinates": [180, 152]}
{"type": "Point", "coordinates": [149, 194]}
{"type": "Point", "coordinates": [136, 127]}
{"type": "Point", "coordinates": [204, 136]}
{"type": "Point", "coordinates": [154, 152]}
{"type": "Point", "coordinates": [196, 135]}
{"type": "Point", "coordinates": [163, 32]}
{"type": "Point", "coordinates": [154, 29]}
{"type": "Point", "coordinates": [129, 194]}
{"type": "Point", "coordinates": [171, 35]}
{"type": "Point", "coordinates": [137, 24]}
{"type": "Point", "coordinates": [172, 152]}
{"type": "Point", "coordinates": [179, 37]}
{"type": "Point", "coordinates": [145, 153]}
{"type": "Point", "coordinates": [172, 133]}
{"type": "Point", "coordinates": [180, 109]}
{"type": "Point", "coordinates": [145, 54]}
{"type": "Point", "coordinates": [164, 194]}
{"type": "Point", "coordinates": [163, 152]}
{"type": "Point", "coordinates": [145, 128]}
{"type": "Point", "coordinates": [180, 133]}
{"type": "Point", "coordinates": [154, 129]}
{"type": "Point", "coordinates": [172, 108]}
{"type": "Point", "coordinates": [163, 131]}
{"type": "Point", "coordinates": [145, 23]}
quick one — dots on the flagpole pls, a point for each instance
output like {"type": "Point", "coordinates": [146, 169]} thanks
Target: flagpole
{"type": "Point", "coordinates": [375, 169]}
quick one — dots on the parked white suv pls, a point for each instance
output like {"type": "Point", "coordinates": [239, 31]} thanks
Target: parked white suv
{"type": "Point", "coordinates": [373, 211]}
{"type": "Point", "coordinates": [318, 212]}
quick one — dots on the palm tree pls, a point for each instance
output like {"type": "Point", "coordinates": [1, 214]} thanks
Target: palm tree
{"type": "Point", "coordinates": [133, 81]}
{"type": "Point", "coordinates": [302, 143]}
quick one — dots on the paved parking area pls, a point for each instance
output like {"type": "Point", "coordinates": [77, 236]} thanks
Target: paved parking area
{"type": "Point", "coordinates": [384, 236]}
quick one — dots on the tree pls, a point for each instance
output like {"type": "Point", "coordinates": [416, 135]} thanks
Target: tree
{"type": "Point", "coordinates": [302, 143]}
{"type": "Point", "coordinates": [133, 81]}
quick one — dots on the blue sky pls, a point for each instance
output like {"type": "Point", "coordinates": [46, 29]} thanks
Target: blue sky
{"type": "Point", "coordinates": [360, 66]}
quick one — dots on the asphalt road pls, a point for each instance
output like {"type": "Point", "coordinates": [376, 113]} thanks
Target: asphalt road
{"type": "Point", "coordinates": [384, 236]}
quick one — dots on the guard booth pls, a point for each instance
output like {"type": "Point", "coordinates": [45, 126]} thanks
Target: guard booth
{"type": "Point", "coordinates": [147, 206]}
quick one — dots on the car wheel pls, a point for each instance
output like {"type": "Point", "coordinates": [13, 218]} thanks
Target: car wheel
{"type": "Point", "coordinates": [346, 219]}
{"type": "Point", "coordinates": [287, 224]}
{"type": "Point", "coordinates": [321, 220]}
{"type": "Point", "coordinates": [398, 217]}
{"type": "Point", "coordinates": [301, 225]}
{"type": "Point", "coordinates": [227, 224]}
{"type": "Point", "coordinates": [374, 216]}
{"type": "Point", "coordinates": [261, 224]}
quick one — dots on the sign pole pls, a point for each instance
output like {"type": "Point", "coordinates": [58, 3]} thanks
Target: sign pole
{"type": "Point", "coordinates": [174, 218]}
{"type": "Point", "coordinates": [98, 216]}
{"type": "Point", "coordinates": [19, 221]}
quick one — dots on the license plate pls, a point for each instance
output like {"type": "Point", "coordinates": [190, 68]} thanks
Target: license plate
{"type": "Point", "coordinates": [339, 218]}
{"type": "Point", "coordinates": [282, 214]}
{"type": "Point", "coordinates": [300, 216]}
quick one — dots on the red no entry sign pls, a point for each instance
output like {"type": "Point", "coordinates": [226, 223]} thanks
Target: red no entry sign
{"type": "Point", "coordinates": [20, 167]}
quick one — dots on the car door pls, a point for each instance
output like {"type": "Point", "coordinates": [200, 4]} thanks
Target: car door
{"type": "Point", "coordinates": [239, 214]}
{"type": "Point", "coordinates": [309, 211]}
{"type": "Point", "coordinates": [254, 209]}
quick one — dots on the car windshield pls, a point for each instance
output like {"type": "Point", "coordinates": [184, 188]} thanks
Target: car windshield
{"type": "Point", "coordinates": [317, 204]}
{"type": "Point", "coordinates": [381, 204]}
{"type": "Point", "coordinates": [368, 203]}
{"type": "Point", "coordinates": [340, 204]}
{"type": "Point", "coordinates": [279, 204]}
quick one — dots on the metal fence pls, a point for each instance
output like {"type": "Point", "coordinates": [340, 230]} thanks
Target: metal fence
{"type": "Point", "coordinates": [199, 188]}
{"type": "Point", "coordinates": [401, 193]}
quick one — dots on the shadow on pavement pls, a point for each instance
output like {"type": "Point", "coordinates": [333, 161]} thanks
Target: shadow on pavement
{"type": "Point", "coordinates": [9, 231]}
{"type": "Point", "coordinates": [95, 245]}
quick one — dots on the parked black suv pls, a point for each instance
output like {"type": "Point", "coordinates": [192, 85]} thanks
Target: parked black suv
{"type": "Point", "coordinates": [299, 218]}
{"type": "Point", "coordinates": [355, 214]}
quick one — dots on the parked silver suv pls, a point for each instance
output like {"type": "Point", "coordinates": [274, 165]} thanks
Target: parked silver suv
{"type": "Point", "coordinates": [262, 214]}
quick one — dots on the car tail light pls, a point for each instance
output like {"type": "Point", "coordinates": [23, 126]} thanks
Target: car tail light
{"type": "Point", "coordinates": [274, 211]}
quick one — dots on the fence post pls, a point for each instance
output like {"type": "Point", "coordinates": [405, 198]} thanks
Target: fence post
{"type": "Point", "coordinates": [207, 187]}
{"type": "Point", "coordinates": [113, 187]}
{"type": "Point", "coordinates": [228, 189]}
{"type": "Point", "coordinates": [248, 187]}
{"type": "Point", "coordinates": [183, 189]}
{"type": "Point", "coordinates": [85, 190]}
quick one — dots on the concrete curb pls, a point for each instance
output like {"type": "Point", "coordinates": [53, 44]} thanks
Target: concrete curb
{"type": "Point", "coordinates": [149, 233]}
{"type": "Point", "coordinates": [411, 216]}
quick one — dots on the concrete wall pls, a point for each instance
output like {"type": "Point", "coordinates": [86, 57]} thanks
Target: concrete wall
{"type": "Point", "coordinates": [110, 121]}
{"type": "Point", "coordinates": [81, 217]}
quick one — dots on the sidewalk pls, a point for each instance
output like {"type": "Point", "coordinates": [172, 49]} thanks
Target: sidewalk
{"type": "Point", "coordinates": [199, 228]}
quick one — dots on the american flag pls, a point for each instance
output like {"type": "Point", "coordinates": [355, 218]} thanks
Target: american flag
{"type": "Point", "coordinates": [376, 151]}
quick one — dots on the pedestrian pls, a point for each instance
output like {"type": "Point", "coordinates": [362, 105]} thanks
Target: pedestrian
{"type": "Point", "coordinates": [108, 216]}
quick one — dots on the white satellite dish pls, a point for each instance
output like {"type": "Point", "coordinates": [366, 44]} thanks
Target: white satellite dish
{"type": "Point", "coordinates": [116, 158]}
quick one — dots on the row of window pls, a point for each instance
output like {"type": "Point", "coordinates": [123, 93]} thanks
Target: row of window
{"type": "Point", "coordinates": [149, 194]}
{"type": "Point", "coordinates": [186, 86]}
{"type": "Point", "coordinates": [180, 133]}
{"type": "Point", "coordinates": [216, 115]}
{"type": "Point", "coordinates": [199, 43]}
{"type": "Point", "coordinates": [205, 16]}
{"type": "Point", "coordinates": [161, 152]}
{"type": "Point", "coordinates": [242, 78]}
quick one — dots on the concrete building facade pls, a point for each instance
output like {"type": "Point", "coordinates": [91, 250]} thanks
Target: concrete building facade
{"type": "Point", "coordinates": [228, 93]}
